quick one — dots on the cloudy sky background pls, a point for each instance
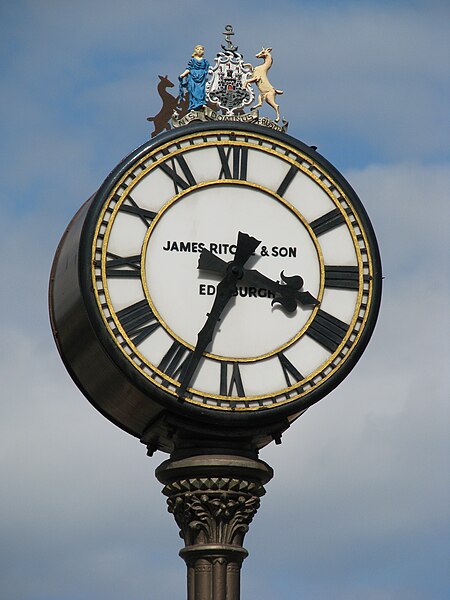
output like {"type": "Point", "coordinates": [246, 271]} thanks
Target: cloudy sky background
{"type": "Point", "coordinates": [359, 505]}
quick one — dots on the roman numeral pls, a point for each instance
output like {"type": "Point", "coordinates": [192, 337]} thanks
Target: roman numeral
{"type": "Point", "coordinates": [287, 180]}
{"type": "Point", "coordinates": [132, 208]}
{"type": "Point", "coordinates": [346, 278]}
{"type": "Point", "coordinates": [138, 321]}
{"type": "Point", "coordinates": [114, 263]}
{"type": "Point", "coordinates": [181, 180]}
{"type": "Point", "coordinates": [230, 378]}
{"type": "Point", "coordinates": [234, 161]}
{"type": "Point", "coordinates": [326, 222]}
{"type": "Point", "coordinates": [175, 360]}
{"type": "Point", "coordinates": [327, 330]}
{"type": "Point", "coordinates": [291, 374]}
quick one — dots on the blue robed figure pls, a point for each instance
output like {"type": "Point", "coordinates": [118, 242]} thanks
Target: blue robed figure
{"type": "Point", "coordinates": [196, 73]}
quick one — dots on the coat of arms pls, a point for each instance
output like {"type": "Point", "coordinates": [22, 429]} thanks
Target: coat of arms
{"type": "Point", "coordinates": [220, 92]}
{"type": "Point", "coordinates": [227, 86]}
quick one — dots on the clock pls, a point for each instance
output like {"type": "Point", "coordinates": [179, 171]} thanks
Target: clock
{"type": "Point", "coordinates": [223, 279]}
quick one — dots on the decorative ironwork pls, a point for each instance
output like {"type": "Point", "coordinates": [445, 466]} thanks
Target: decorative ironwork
{"type": "Point", "coordinates": [213, 510]}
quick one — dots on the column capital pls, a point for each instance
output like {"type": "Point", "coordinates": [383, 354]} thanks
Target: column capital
{"type": "Point", "coordinates": [213, 498]}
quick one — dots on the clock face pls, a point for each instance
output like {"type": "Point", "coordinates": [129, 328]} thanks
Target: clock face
{"type": "Point", "coordinates": [166, 234]}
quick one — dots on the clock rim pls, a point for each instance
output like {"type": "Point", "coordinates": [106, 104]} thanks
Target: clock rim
{"type": "Point", "coordinates": [273, 413]}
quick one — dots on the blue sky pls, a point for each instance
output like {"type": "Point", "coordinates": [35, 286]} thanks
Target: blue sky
{"type": "Point", "coordinates": [359, 505]}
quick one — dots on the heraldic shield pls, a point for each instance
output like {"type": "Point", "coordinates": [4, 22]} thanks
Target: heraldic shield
{"type": "Point", "coordinates": [227, 86]}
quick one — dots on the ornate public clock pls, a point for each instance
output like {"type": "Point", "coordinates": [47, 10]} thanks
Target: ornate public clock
{"type": "Point", "coordinates": [223, 279]}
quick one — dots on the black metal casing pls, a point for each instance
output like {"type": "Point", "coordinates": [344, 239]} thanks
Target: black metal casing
{"type": "Point", "coordinates": [111, 384]}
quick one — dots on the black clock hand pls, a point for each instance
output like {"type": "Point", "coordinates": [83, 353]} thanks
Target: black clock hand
{"type": "Point", "coordinates": [232, 272]}
{"type": "Point", "coordinates": [208, 261]}
{"type": "Point", "coordinates": [225, 290]}
{"type": "Point", "coordinates": [287, 295]}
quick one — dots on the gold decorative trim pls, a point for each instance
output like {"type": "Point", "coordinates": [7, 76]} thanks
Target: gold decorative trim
{"type": "Point", "coordinates": [234, 402]}
{"type": "Point", "coordinates": [181, 195]}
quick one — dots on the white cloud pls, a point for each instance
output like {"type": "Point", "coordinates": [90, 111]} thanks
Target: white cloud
{"type": "Point", "coordinates": [409, 208]}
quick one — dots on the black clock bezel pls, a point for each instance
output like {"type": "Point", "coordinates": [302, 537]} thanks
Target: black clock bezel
{"type": "Point", "coordinates": [206, 415]}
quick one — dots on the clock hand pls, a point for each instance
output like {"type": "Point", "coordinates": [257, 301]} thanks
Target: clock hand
{"type": "Point", "coordinates": [208, 261]}
{"type": "Point", "coordinates": [232, 272]}
{"type": "Point", "coordinates": [288, 294]}
{"type": "Point", "coordinates": [225, 290]}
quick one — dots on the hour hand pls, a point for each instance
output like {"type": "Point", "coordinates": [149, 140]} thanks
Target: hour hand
{"type": "Point", "coordinates": [287, 294]}
{"type": "Point", "coordinates": [208, 261]}
{"type": "Point", "coordinates": [246, 245]}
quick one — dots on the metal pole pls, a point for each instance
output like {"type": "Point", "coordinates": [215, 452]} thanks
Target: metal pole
{"type": "Point", "coordinates": [213, 498]}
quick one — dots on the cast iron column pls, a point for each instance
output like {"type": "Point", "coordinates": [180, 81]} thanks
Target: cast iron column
{"type": "Point", "coordinates": [213, 498]}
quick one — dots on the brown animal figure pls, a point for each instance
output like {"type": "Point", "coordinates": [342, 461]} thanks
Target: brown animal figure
{"type": "Point", "coordinates": [161, 120]}
{"type": "Point", "coordinates": [267, 92]}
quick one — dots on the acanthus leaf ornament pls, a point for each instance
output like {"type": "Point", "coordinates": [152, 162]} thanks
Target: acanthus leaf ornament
{"type": "Point", "coordinates": [217, 517]}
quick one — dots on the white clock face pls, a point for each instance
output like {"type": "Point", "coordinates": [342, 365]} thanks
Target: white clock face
{"type": "Point", "coordinates": [192, 197]}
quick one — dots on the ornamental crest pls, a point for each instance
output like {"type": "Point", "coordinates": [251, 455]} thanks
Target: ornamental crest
{"type": "Point", "coordinates": [220, 92]}
{"type": "Point", "coordinates": [227, 86]}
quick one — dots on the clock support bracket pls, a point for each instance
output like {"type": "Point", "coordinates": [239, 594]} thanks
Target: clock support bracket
{"type": "Point", "coordinates": [174, 435]}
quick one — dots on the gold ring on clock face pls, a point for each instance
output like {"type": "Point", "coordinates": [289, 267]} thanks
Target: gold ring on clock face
{"type": "Point", "coordinates": [195, 193]}
{"type": "Point", "coordinates": [169, 264]}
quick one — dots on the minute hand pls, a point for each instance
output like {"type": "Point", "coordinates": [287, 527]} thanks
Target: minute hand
{"type": "Point", "coordinates": [232, 273]}
{"type": "Point", "coordinates": [224, 294]}
{"type": "Point", "coordinates": [287, 294]}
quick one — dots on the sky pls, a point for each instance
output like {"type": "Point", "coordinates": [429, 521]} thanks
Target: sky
{"type": "Point", "coordinates": [359, 507]}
